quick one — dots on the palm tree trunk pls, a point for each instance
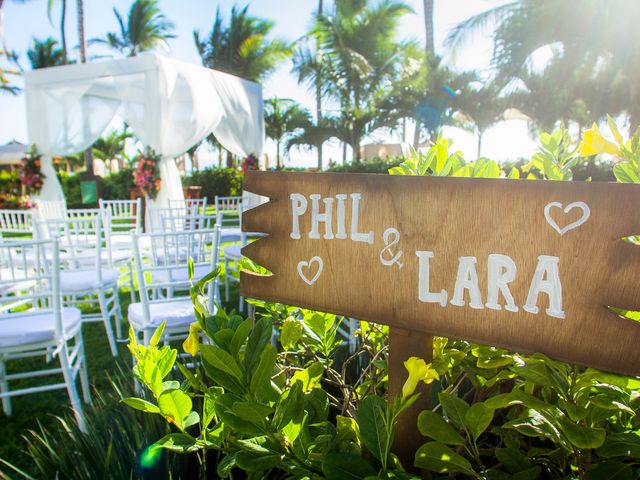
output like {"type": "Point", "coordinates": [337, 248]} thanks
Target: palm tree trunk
{"type": "Point", "coordinates": [63, 34]}
{"type": "Point", "coordinates": [81, 37]}
{"type": "Point", "coordinates": [230, 161]}
{"type": "Point", "coordinates": [428, 27]}
{"type": "Point", "coordinates": [278, 161]}
{"type": "Point", "coordinates": [319, 90]}
{"type": "Point", "coordinates": [480, 133]}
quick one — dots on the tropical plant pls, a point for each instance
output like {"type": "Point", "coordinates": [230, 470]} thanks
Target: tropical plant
{"type": "Point", "coordinates": [9, 70]}
{"type": "Point", "coordinates": [242, 47]}
{"type": "Point", "coordinates": [45, 53]}
{"type": "Point", "coordinates": [525, 28]}
{"type": "Point", "coordinates": [358, 58]}
{"type": "Point", "coordinates": [480, 105]}
{"type": "Point", "coordinates": [110, 147]}
{"type": "Point", "coordinates": [263, 414]}
{"type": "Point", "coordinates": [283, 117]}
{"type": "Point", "coordinates": [146, 29]}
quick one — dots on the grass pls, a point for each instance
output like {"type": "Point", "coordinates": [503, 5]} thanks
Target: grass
{"type": "Point", "coordinates": [30, 411]}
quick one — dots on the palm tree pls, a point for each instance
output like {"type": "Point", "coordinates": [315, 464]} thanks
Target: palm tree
{"type": "Point", "coordinates": [313, 136]}
{"type": "Point", "coordinates": [523, 27]}
{"type": "Point", "coordinates": [146, 29]}
{"type": "Point", "coordinates": [110, 147]}
{"type": "Point", "coordinates": [241, 48]}
{"type": "Point", "coordinates": [359, 57]}
{"type": "Point", "coordinates": [428, 27]}
{"type": "Point", "coordinates": [283, 117]}
{"type": "Point", "coordinates": [45, 53]}
{"type": "Point", "coordinates": [481, 107]}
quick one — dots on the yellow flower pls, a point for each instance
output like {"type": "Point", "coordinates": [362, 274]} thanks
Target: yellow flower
{"type": "Point", "coordinates": [191, 344]}
{"type": "Point", "coordinates": [594, 143]}
{"type": "Point", "coordinates": [419, 371]}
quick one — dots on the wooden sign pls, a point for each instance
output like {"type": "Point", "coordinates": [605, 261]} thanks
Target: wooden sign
{"type": "Point", "coordinates": [531, 266]}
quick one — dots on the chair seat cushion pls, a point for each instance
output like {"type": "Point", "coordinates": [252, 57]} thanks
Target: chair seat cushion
{"type": "Point", "coordinates": [230, 234]}
{"type": "Point", "coordinates": [232, 252]}
{"type": "Point", "coordinates": [180, 274]}
{"type": "Point", "coordinates": [24, 328]}
{"type": "Point", "coordinates": [85, 280]}
{"type": "Point", "coordinates": [177, 313]}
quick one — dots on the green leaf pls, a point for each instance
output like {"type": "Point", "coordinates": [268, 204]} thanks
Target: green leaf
{"type": "Point", "coordinates": [157, 335]}
{"type": "Point", "coordinates": [528, 474]}
{"type": "Point", "coordinates": [222, 360]}
{"type": "Point", "coordinates": [260, 384]}
{"type": "Point", "coordinates": [240, 336]}
{"type": "Point", "coordinates": [175, 405]}
{"type": "Point", "coordinates": [178, 442]}
{"type": "Point", "coordinates": [290, 407]}
{"type": "Point", "coordinates": [252, 412]}
{"type": "Point", "coordinates": [512, 459]}
{"type": "Point", "coordinates": [258, 339]}
{"type": "Point", "coordinates": [437, 457]}
{"type": "Point", "coordinates": [140, 404]}
{"type": "Point", "coordinates": [477, 419]}
{"type": "Point", "coordinates": [485, 168]}
{"type": "Point", "coordinates": [208, 410]}
{"type": "Point", "coordinates": [611, 471]}
{"type": "Point", "coordinates": [620, 445]}
{"type": "Point", "coordinates": [580, 436]}
{"type": "Point", "coordinates": [226, 465]}
{"type": "Point", "coordinates": [373, 427]}
{"type": "Point", "coordinates": [454, 408]}
{"type": "Point", "coordinates": [252, 462]}
{"type": "Point", "coordinates": [432, 425]}
{"type": "Point", "coordinates": [166, 360]}
{"type": "Point", "coordinates": [290, 333]}
{"type": "Point", "coordinates": [625, 173]}
{"type": "Point", "coordinates": [310, 376]}
{"type": "Point", "coordinates": [346, 466]}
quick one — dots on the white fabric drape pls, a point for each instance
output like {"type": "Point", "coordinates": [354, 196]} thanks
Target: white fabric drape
{"type": "Point", "coordinates": [170, 105]}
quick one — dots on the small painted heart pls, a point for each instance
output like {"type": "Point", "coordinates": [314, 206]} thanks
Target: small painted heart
{"type": "Point", "coordinates": [581, 205]}
{"type": "Point", "coordinates": [305, 268]}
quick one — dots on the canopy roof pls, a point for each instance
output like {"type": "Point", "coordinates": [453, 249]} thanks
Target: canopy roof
{"type": "Point", "coordinates": [170, 105]}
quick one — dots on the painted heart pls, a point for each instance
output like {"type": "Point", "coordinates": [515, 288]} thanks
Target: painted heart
{"type": "Point", "coordinates": [305, 269]}
{"type": "Point", "coordinates": [580, 205]}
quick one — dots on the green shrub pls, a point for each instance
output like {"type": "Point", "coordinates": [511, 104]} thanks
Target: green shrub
{"type": "Point", "coordinates": [71, 188]}
{"type": "Point", "coordinates": [118, 185]}
{"type": "Point", "coordinates": [216, 181]}
{"type": "Point", "coordinates": [377, 165]}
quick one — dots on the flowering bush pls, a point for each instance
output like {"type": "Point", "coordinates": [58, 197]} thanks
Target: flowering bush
{"type": "Point", "coordinates": [249, 163]}
{"type": "Point", "coordinates": [31, 175]}
{"type": "Point", "coordinates": [147, 173]}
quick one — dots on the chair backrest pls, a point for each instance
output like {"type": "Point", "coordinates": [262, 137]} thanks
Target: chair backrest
{"type": "Point", "coordinates": [190, 205]}
{"type": "Point", "coordinates": [121, 216]}
{"type": "Point", "coordinates": [16, 223]}
{"type": "Point", "coordinates": [30, 279]}
{"type": "Point", "coordinates": [81, 237]}
{"type": "Point", "coordinates": [228, 211]}
{"type": "Point", "coordinates": [167, 266]}
{"type": "Point", "coordinates": [51, 209]}
{"type": "Point", "coordinates": [179, 223]}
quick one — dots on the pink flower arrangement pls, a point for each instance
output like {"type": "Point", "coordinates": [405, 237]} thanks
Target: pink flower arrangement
{"type": "Point", "coordinates": [146, 176]}
{"type": "Point", "coordinates": [30, 172]}
{"type": "Point", "coordinates": [250, 163]}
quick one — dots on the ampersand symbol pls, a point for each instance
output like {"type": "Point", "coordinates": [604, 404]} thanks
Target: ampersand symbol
{"type": "Point", "coordinates": [391, 237]}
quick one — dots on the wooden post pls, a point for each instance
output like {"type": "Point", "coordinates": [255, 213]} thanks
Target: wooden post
{"type": "Point", "coordinates": [402, 345]}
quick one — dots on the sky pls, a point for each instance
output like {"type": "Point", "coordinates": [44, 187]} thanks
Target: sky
{"type": "Point", "coordinates": [292, 18]}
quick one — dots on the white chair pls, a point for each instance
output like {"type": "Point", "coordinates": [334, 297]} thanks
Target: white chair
{"type": "Point", "coordinates": [86, 272]}
{"type": "Point", "coordinates": [51, 209]}
{"type": "Point", "coordinates": [120, 218]}
{"type": "Point", "coordinates": [228, 211]}
{"type": "Point", "coordinates": [190, 205]}
{"type": "Point", "coordinates": [167, 270]}
{"type": "Point", "coordinates": [40, 326]}
{"type": "Point", "coordinates": [16, 223]}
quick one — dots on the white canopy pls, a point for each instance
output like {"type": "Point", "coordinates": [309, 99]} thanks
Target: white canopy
{"type": "Point", "coordinates": [170, 105]}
